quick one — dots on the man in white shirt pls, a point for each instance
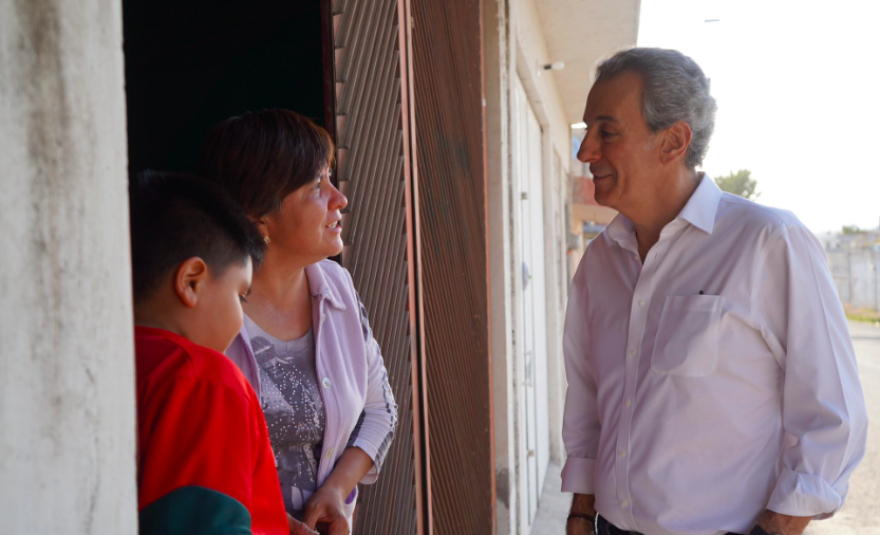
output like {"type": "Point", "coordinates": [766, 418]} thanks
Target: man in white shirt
{"type": "Point", "coordinates": [713, 386]}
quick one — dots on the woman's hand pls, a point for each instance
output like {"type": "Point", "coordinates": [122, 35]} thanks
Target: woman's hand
{"type": "Point", "coordinates": [298, 528]}
{"type": "Point", "coordinates": [326, 508]}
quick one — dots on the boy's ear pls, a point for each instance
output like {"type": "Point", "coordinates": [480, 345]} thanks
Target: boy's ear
{"type": "Point", "coordinates": [189, 279]}
{"type": "Point", "coordinates": [675, 142]}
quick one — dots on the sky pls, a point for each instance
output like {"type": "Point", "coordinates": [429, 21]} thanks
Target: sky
{"type": "Point", "coordinates": [798, 91]}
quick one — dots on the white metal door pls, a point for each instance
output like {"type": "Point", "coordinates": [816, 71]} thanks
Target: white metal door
{"type": "Point", "coordinates": [534, 336]}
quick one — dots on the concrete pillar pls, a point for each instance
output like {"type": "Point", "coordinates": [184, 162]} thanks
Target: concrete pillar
{"type": "Point", "coordinates": [498, 59]}
{"type": "Point", "coordinates": [67, 432]}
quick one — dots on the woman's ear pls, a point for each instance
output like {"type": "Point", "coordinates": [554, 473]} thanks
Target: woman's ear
{"type": "Point", "coordinates": [260, 223]}
{"type": "Point", "coordinates": [676, 140]}
{"type": "Point", "coordinates": [189, 279]}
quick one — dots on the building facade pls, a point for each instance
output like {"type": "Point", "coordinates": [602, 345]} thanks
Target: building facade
{"type": "Point", "coordinates": [454, 146]}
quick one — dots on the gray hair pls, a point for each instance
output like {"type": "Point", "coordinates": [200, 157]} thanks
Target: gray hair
{"type": "Point", "coordinates": [675, 89]}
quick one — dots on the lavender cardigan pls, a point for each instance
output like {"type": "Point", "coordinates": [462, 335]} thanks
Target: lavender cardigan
{"type": "Point", "coordinates": [360, 408]}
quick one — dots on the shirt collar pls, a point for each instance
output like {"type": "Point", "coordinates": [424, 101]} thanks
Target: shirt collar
{"type": "Point", "coordinates": [701, 208]}
{"type": "Point", "coordinates": [620, 228]}
{"type": "Point", "coordinates": [699, 211]}
{"type": "Point", "coordinates": [321, 286]}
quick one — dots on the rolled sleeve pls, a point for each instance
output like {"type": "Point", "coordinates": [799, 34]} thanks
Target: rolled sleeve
{"type": "Point", "coordinates": [377, 424]}
{"type": "Point", "coordinates": [580, 424]}
{"type": "Point", "coordinates": [578, 476]}
{"type": "Point", "coordinates": [804, 494]}
{"type": "Point", "coordinates": [824, 414]}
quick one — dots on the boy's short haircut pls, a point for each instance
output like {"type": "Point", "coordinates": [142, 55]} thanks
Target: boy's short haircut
{"type": "Point", "coordinates": [176, 216]}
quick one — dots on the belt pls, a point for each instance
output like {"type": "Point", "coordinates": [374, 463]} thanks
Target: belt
{"type": "Point", "coordinates": [604, 527]}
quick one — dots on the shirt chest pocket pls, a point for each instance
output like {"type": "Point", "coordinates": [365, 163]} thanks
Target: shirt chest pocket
{"type": "Point", "coordinates": [688, 336]}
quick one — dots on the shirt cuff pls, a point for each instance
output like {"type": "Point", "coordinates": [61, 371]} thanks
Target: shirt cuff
{"type": "Point", "coordinates": [578, 475]}
{"type": "Point", "coordinates": [798, 494]}
{"type": "Point", "coordinates": [371, 476]}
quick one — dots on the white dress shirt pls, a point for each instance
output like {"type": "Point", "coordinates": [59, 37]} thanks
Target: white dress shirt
{"type": "Point", "coordinates": [715, 380]}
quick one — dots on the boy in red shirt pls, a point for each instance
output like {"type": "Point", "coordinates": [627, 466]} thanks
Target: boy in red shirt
{"type": "Point", "coordinates": [205, 465]}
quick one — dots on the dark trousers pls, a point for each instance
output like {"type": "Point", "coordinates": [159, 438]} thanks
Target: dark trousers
{"type": "Point", "coordinates": [604, 527]}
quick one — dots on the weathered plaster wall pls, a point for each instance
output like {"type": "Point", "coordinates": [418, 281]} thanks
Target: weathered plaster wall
{"type": "Point", "coordinates": [66, 368]}
{"type": "Point", "coordinates": [498, 58]}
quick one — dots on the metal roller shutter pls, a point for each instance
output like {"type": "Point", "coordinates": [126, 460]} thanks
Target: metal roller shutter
{"type": "Point", "coordinates": [370, 104]}
{"type": "Point", "coordinates": [448, 95]}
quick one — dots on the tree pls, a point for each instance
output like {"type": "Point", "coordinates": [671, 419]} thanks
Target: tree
{"type": "Point", "coordinates": [851, 229]}
{"type": "Point", "coordinates": [740, 183]}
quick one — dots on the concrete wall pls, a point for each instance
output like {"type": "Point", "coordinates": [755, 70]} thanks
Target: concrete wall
{"type": "Point", "coordinates": [540, 84]}
{"type": "Point", "coordinates": [498, 61]}
{"type": "Point", "coordinates": [66, 369]}
{"type": "Point", "coordinates": [856, 273]}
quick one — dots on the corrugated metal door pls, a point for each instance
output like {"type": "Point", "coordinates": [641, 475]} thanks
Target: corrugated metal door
{"type": "Point", "coordinates": [369, 102]}
{"type": "Point", "coordinates": [449, 122]}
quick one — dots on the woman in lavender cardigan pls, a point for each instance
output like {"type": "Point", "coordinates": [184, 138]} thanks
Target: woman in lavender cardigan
{"type": "Point", "coordinates": [306, 345]}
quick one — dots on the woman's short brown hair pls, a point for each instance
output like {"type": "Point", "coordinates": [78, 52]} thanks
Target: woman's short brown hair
{"type": "Point", "coordinates": [260, 157]}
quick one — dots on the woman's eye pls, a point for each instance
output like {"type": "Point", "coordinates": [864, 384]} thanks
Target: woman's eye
{"type": "Point", "coordinates": [242, 298]}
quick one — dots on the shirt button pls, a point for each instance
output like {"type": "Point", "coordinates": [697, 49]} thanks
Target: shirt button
{"type": "Point", "coordinates": [624, 503]}
{"type": "Point", "coordinates": [323, 317]}
{"type": "Point", "coordinates": [621, 454]}
{"type": "Point", "coordinates": [641, 302]}
{"type": "Point", "coordinates": [329, 453]}
{"type": "Point", "coordinates": [326, 382]}
{"type": "Point", "coordinates": [632, 352]}
{"type": "Point", "coordinates": [629, 403]}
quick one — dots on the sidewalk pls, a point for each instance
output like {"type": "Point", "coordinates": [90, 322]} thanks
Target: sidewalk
{"type": "Point", "coordinates": [553, 509]}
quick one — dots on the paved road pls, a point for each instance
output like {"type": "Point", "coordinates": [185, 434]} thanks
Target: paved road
{"type": "Point", "coordinates": [861, 513]}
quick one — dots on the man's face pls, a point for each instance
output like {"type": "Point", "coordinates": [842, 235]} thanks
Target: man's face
{"type": "Point", "coordinates": [619, 146]}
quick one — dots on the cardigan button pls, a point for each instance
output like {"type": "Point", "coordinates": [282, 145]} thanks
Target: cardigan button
{"type": "Point", "coordinates": [326, 382]}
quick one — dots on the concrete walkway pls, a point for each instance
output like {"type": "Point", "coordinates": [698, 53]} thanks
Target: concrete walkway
{"type": "Point", "coordinates": [861, 513]}
{"type": "Point", "coordinates": [554, 506]}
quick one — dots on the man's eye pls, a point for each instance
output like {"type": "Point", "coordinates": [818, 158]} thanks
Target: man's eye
{"type": "Point", "coordinates": [606, 133]}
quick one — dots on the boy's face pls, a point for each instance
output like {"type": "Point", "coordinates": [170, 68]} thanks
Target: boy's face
{"type": "Point", "coordinates": [219, 301]}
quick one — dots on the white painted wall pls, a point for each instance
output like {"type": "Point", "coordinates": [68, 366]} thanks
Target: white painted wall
{"type": "Point", "coordinates": [514, 45]}
{"type": "Point", "coordinates": [67, 409]}
{"type": "Point", "coordinates": [542, 88]}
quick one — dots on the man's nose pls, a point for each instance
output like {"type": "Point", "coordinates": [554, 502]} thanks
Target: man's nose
{"type": "Point", "coordinates": [589, 151]}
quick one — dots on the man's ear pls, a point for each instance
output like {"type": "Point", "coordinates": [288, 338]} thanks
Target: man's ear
{"type": "Point", "coordinates": [675, 143]}
{"type": "Point", "coordinates": [189, 279]}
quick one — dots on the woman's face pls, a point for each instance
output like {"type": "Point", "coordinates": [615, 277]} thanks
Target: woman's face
{"type": "Point", "coordinates": [307, 225]}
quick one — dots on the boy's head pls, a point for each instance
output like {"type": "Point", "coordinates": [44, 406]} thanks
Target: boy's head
{"type": "Point", "coordinates": [193, 253]}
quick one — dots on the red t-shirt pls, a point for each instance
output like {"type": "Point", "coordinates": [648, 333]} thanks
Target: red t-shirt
{"type": "Point", "coordinates": [205, 465]}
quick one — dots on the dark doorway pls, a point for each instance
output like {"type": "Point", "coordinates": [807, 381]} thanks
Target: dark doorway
{"type": "Point", "coordinates": [192, 63]}
{"type": "Point", "coordinates": [344, 64]}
